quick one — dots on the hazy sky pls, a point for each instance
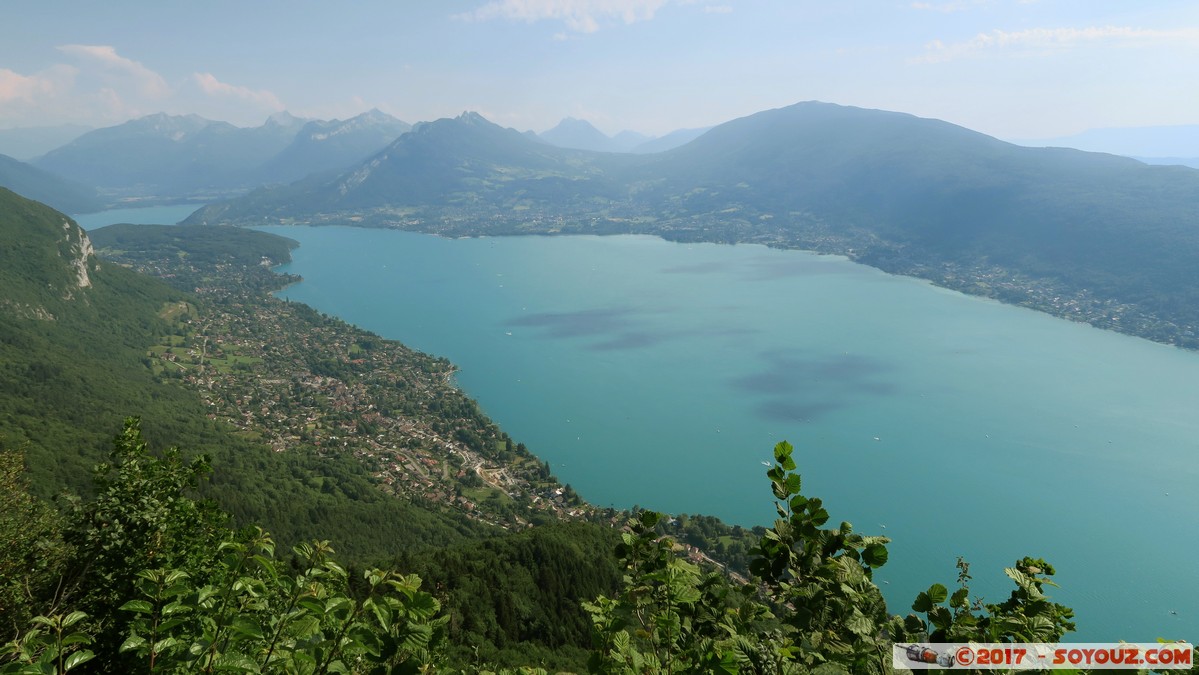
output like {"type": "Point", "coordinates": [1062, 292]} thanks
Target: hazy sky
{"type": "Point", "coordinates": [1011, 68]}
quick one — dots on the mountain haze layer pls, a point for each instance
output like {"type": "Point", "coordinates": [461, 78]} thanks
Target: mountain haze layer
{"type": "Point", "coordinates": [34, 183]}
{"type": "Point", "coordinates": [28, 142]}
{"type": "Point", "coordinates": [175, 156]}
{"type": "Point", "coordinates": [335, 144]}
{"type": "Point", "coordinates": [579, 135]}
{"type": "Point", "coordinates": [670, 141]}
{"type": "Point", "coordinates": [169, 154]}
{"type": "Point", "coordinates": [463, 164]}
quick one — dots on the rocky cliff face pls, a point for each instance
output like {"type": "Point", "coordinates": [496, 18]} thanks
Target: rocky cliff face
{"type": "Point", "coordinates": [46, 260]}
{"type": "Point", "coordinates": [79, 253]}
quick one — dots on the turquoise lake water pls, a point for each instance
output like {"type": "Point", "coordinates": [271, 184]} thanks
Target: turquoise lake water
{"type": "Point", "coordinates": [142, 215]}
{"type": "Point", "coordinates": [662, 374]}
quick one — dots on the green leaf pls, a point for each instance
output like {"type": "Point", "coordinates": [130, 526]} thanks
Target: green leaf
{"type": "Point", "coordinates": [312, 604]}
{"type": "Point", "coordinates": [77, 658]}
{"type": "Point", "coordinates": [234, 661]}
{"type": "Point", "coordinates": [780, 490]}
{"type": "Point", "coordinates": [44, 620]}
{"type": "Point", "coordinates": [164, 644]}
{"type": "Point", "coordinates": [782, 450]}
{"type": "Point", "coordinates": [937, 593]}
{"type": "Point", "coordinates": [729, 664]}
{"type": "Point", "coordinates": [73, 618]}
{"type": "Point", "coordinates": [875, 555]}
{"type": "Point", "coordinates": [381, 612]}
{"type": "Point", "coordinates": [139, 606]}
{"type": "Point", "coordinates": [174, 608]}
{"type": "Point", "coordinates": [922, 603]}
{"type": "Point", "coordinates": [941, 618]}
{"type": "Point", "coordinates": [650, 519]}
{"type": "Point", "coordinates": [134, 642]}
{"type": "Point", "coordinates": [960, 598]}
{"type": "Point", "coordinates": [246, 626]}
{"type": "Point", "coordinates": [76, 639]}
{"type": "Point", "coordinates": [620, 642]}
{"type": "Point", "coordinates": [793, 483]}
{"type": "Point", "coordinates": [174, 590]}
{"type": "Point", "coordinates": [175, 576]}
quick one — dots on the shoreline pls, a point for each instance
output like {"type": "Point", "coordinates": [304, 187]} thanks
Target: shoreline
{"type": "Point", "coordinates": [992, 283]}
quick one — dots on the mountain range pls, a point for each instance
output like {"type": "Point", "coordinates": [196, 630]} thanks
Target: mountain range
{"type": "Point", "coordinates": [1167, 145]}
{"type": "Point", "coordinates": [907, 194]}
{"type": "Point", "coordinates": [582, 135]}
{"type": "Point", "coordinates": [48, 188]}
{"type": "Point", "coordinates": [190, 156]}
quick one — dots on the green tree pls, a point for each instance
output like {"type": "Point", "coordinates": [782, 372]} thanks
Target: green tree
{"type": "Point", "coordinates": [672, 618]}
{"type": "Point", "coordinates": [32, 557]}
{"type": "Point", "coordinates": [142, 517]}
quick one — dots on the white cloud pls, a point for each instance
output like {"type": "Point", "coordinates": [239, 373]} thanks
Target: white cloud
{"type": "Point", "coordinates": [580, 16]}
{"type": "Point", "coordinates": [39, 98]}
{"type": "Point", "coordinates": [210, 85]}
{"type": "Point", "coordinates": [27, 89]}
{"type": "Point", "coordinates": [149, 83]}
{"type": "Point", "coordinates": [102, 87]}
{"type": "Point", "coordinates": [1050, 39]}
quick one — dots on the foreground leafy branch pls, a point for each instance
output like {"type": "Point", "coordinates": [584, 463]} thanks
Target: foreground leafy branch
{"type": "Point", "coordinates": [186, 594]}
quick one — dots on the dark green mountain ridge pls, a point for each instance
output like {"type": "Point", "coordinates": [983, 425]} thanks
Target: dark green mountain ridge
{"type": "Point", "coordinates": [74, 333]}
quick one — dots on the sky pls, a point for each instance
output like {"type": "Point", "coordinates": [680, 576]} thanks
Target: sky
{"type": "Point", "coordinates": [1015, 69]}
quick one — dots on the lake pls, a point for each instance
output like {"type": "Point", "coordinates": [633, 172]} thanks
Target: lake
{"type": "Point", "coordinates": [140, 215]}
{"type": "Point", "coordinates": [662, 374]}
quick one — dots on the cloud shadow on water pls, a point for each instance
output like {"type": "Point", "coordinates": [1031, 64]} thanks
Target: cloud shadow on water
{"type": "Point", "coordinates": [794, 386]}
{"type": "Point", "coordinates": [633, 340]}
{"type": "Point", "coordinates": [615, 328]}
{"type": "Point", "coordinates": [581, 323]}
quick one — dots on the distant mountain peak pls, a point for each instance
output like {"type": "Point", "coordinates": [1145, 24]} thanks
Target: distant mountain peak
{"type": "Point", "coordinates": [285, 119]}
{"type": "Point", "coordinates": [163, 117]}
{"type": "Point", "coordinates": [575, 124]}
{"type": "Point", "coordinates": [578, 134]}
{"type": "Point", "coordinates": [471, 117]}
